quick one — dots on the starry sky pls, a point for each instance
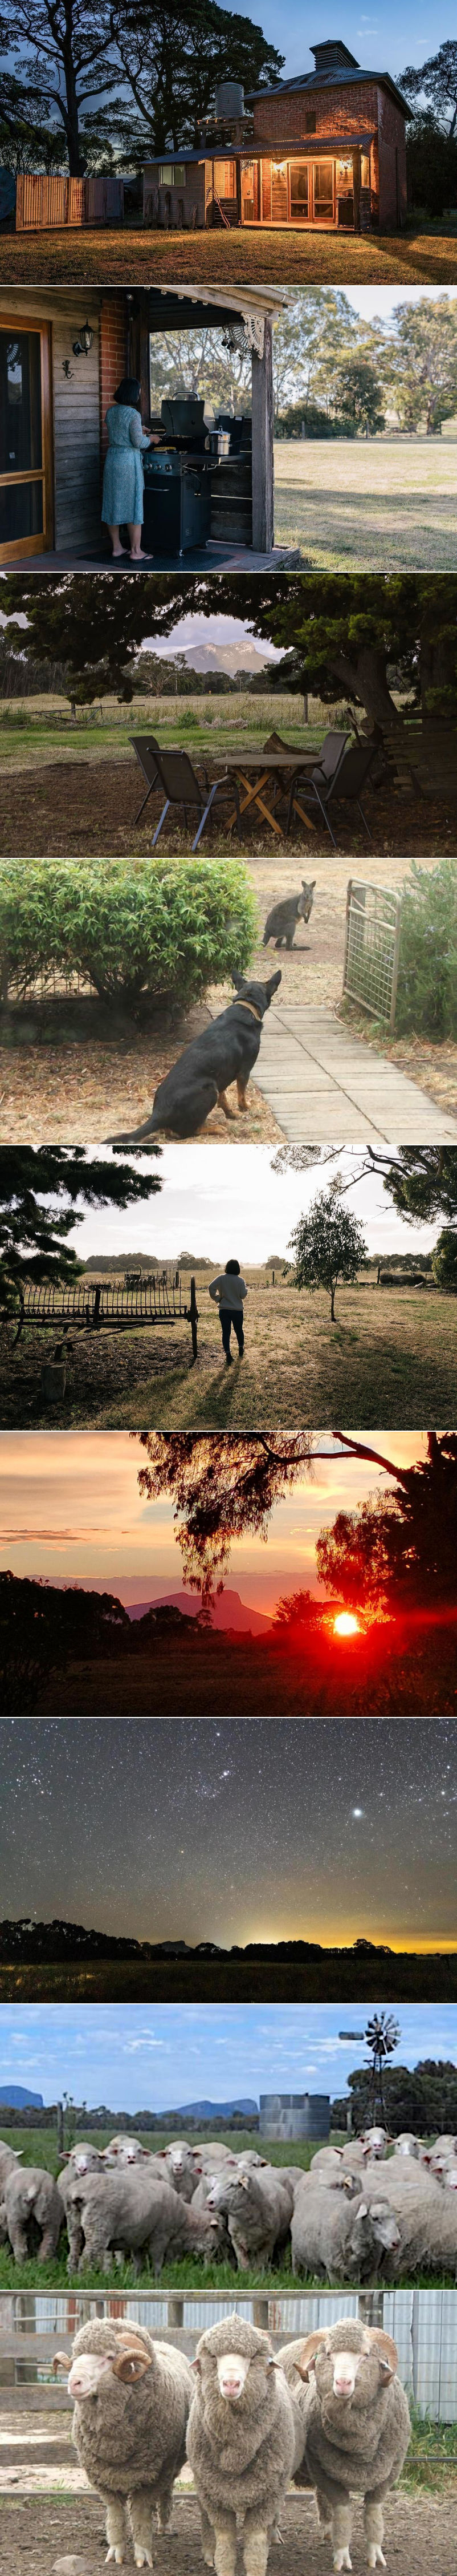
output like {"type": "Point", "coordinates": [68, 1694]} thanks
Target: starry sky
{"type": "Point", "coordinates": [70, 1506]}
{"type": "Point", "coordinates": [212, 1201]}
{"type": "Point", "coordinates": [134, 2057]}
{"type": "Point", "coordinates": [232, 1831]}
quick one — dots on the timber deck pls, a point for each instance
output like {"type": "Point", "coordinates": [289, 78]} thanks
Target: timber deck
{"type": "Point", "coordinates": [321, 1083]}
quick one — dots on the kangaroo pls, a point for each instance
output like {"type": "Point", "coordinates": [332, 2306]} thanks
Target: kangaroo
{"type": "Point", "coordinates": [224, 1052]}
{"type": "Point", "coordinates": [54, 1373]}
{"type": "Point", "coordinates": [282, 920]}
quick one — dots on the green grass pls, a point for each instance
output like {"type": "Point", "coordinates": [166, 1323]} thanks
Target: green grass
{"type": "Point", "coordinates": [433, 2453]}
{"type": "Point", "coordinates": [42, 726]}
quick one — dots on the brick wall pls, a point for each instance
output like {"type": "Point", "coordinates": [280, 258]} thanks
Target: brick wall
{"type": "Point", "coordinates": [114, 356]}
{"type": "Point", "coordinates": [354, 107]}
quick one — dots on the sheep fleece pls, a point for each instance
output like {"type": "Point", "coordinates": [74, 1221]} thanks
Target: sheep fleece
{"type": "Point", "coordinates": [125, 2437]}
{"type": "Point", "coordinates": [361, 2446]}
{"type": "Point", "coordinates": [244, 2459]}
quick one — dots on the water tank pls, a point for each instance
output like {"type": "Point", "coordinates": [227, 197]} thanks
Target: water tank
{"type": "Point", "coordinates": [294, 2115]}
{"type": "Point", "coordinates": [229, 100]}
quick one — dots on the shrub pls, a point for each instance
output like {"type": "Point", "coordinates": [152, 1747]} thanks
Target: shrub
{"type": "Point", "coordinates": [139, 929]}
{"type": "Point", "coordinates": [427, 982]}
{"type": "Point", "coordinates": [444, 1261]}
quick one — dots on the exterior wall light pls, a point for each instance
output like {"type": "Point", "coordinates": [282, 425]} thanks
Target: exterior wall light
{"type": "Point", "coordinates": [83, 345]}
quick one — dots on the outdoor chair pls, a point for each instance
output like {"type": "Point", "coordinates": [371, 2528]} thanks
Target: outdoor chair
{"type": "Point", "coordinates": [333, 744]}
{"type": "Point", "coordinates": [325, 785]}
{"type": "Point", "coordinates": [173, 771]}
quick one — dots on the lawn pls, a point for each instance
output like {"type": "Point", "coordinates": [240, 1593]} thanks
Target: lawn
{"type": "Point", "coordinates": [298, 1366]}
{"type": "Point", "coordinates": [288, 258]}
{"type": "Point", "coordinates": [389, 505]}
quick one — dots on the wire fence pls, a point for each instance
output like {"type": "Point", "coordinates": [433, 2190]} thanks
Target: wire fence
{"type": "Point", "coordinates": [372, 948]}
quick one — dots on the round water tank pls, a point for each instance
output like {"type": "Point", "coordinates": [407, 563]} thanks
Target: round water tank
{"type": "Point", "coordinates": [294, 2115]}
{"type": "Point", "coordinates": [229, 99]}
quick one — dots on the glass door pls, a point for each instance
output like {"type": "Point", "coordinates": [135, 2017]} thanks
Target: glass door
{"type": "Point", "coordinates": [323, 192]}
{"type": "Point", "coordinates": [25, 442]}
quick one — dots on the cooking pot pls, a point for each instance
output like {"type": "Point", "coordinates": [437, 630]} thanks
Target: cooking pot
{"type": "Point", "coordinates": [219, 442]}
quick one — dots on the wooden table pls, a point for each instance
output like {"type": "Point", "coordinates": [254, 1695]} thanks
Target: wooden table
{"type": "Point", "coordinates": [253, 772]}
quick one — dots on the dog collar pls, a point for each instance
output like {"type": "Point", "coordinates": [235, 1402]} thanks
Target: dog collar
{"type": "Point", "coordinates": [248, 1006]}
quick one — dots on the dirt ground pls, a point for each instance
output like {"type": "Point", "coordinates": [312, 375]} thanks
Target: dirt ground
{"type": "Point", "coordinates": [60, 807]}
{"type": "Point", "coordinates": [421, 2537]}
{"type": "Point", "coordinates": [63, 1077]}
{"type": "Point", "coordinates": [297, 1366]}
{"type": "Point", "coordinates": [288, 257]}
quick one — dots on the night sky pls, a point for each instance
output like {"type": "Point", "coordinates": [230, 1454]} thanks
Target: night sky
{"type": "Point", "coordinates": [234, 1831]}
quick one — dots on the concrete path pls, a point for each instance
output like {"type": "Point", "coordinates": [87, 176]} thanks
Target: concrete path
{"type": "Point", "coordinates": [322, 1083]}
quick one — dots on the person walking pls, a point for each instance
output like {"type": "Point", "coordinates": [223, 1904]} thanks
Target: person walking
{"type": "Point", "coordinates": [228, 1292]}
{"type": "Point", "coordinates": [123, 478]}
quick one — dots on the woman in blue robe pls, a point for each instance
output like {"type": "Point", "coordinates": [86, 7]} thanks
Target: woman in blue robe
{"type": "Point", "coordinates": [123, 478]}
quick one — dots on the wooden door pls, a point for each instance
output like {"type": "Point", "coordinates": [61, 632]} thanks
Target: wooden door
{"type": "Point", "coordinates": [26, 519]}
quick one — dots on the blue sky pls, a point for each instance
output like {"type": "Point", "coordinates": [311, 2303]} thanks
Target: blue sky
{"type": "Point", "coordinates": [135, 2057]}
{"type": "Point", "coordinates": [384, 42]}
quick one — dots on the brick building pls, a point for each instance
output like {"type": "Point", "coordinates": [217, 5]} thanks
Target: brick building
{"type": "Point", "coordinates": [325, 150]}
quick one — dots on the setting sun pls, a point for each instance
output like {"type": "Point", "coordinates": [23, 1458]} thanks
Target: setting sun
{"type": "Point", "coordinates": [346, 1624]}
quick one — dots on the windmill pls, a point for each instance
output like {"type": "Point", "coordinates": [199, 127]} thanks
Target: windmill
{"type": "Point", "coordinates": [381, 2038]}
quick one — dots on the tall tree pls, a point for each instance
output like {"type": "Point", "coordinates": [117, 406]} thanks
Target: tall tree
{"type": "Point", "coordinates": [363, 633]}
{"type": "Point", "coordinates": [400, 1551]}
{"type": "Point", "coordinates": [328, 1246]}
{"type": "Point", "coordinates": [435, 80]}
{"type": "Point", "coordinates": [420, 363]}
{"type": "Point", "coordinates": [171, 53]}
{"type": "Point", "coordinates": [62, 61]}
{"type": "Point", "coordinates": [224, 1485]}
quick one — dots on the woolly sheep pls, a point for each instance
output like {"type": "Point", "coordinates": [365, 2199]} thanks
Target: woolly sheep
{"type": "Point", "coordinates": [135, 2211]}
{"type": "Point", "coordinates": [80, 2161]}
{"type": "Point", "coordinates": [9, 2161]}
{"type": "Point", "coordinates": [356, 2426]}
{"type": "Point", "coordinates": [258, 2213]}
{"type": "Point", "coordinates": [338, 2238]}
{"type": "Point", "coordinates": [407, 2144]}
{"type": "Point", "coordinates": [182, 2166]}
{"type": "Point", "coordinates": [126, 2150]}
{"type": "Point", "coordinates": [426, 2217]}
{"type": "Point", "coordinates": [132, 2399]}
{"type": "Point", "coordinates": [31, 2201]}
{"type": "Point", "coordinates": [243, 2443]}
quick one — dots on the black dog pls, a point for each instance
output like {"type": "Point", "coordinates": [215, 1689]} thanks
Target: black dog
{"type": "Point", "coordinates": [225, 1052]}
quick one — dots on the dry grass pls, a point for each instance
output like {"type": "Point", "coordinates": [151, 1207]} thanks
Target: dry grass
{"type": "Point", "coordinates": [388, 504]}
{"type": "Point", "coordinates": [297, 1365]}
{"type": "Point", "coordinates": [289, 258]}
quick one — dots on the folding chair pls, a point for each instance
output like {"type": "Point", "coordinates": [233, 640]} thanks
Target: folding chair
{"type": "Point", "coordinates": [348, 776]}
{"type": "Point", "coordinates": [173, 771]}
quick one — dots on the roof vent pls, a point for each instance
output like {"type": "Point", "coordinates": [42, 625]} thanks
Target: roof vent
{"type": "Point", "coordinates": [333, 55]}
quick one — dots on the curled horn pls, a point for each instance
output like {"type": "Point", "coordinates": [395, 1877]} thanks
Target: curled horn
{"type": "Point", "coordinates": [309, 2349]}
{"type": "Point", "coordinates": [61, 2361]}
{"type": "Point", "coordinates": [132, 2363]}
{"type": "Point", "coordinates": [386, 2348]}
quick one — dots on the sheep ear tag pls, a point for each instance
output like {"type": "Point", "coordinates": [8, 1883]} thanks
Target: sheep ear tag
{"type": "Point", "coordinates": [387, 2350]}
{"type": "Point", "coordinates": [244, 2180]}
{"type": "Point", "coordinates": [131, 2365]}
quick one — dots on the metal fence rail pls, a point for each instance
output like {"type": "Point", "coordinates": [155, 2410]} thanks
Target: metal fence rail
{"type": "Point", "coordinates": [372, 948]}
{"type": "Point", "coordinates": [422, 2322]}
{"type": "Point", "coordinates": [136, 1298]}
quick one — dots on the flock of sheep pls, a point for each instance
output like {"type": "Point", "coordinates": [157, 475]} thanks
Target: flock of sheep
{"type": "Point", "coordinates": [343, 2219]}
{"type": "Point", "coordinates": [328, 2412]}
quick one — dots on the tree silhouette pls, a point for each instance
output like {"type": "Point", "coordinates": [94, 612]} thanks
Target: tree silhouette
{"type": "Point", "coordinates": [43, 1193]}
{"type": "Point", "coordinates": [421, 1180]}
{"type": "Point", "coordinates": [399, 1553]}
{"type": "Point", "coordinates": [223, 1486]}
{"type": "Point", "coordinates": [444, 1261]}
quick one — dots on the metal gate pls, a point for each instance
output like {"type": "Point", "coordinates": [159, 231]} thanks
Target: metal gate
{"type": "Point", "coordinates": [372, 948]}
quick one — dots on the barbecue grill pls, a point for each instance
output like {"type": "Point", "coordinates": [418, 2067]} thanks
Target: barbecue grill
{"type": "Point", "coordinates": [177, 481]}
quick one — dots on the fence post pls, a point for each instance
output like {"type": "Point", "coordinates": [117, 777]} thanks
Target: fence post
{"type": "Point", "coordinates": [260, 2313]}
{"type": "Point", "coordinates": [193, 1318]}
{"type": "Point", "coordinates": [60, 2129]}
{"type": "Point", "coordinates": [175, 2312]}
{"type": "Point", "coordinates": [371, 2307]}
